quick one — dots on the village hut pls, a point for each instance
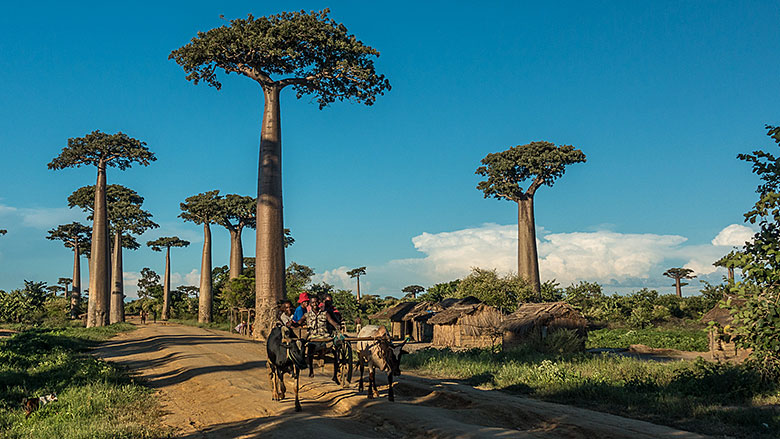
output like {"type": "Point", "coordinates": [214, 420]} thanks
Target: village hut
{"type": "Point", "coordinates": [467, 325]}
{"type": "Point", "coordinates": [721, 345]}
{"type": "Point", "coordinates": [398, 328]}
{"type": "Point", "coordinates": [535, 321]}
{"type": "Point", "coordinates": [416, 321]}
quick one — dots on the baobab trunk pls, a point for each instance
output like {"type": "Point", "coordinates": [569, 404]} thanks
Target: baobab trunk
{"type": "Point", "coordinates": [205, 300]}
{"type": "Point", "coordinates": [166, 309]}
{"type": "Point", "coordinates": [236, 254]}
{"type": "Point", "coordinates": [99, 289]}
{"type": "Point", "coordinates": [117, 288]}
{"type": "Point", "coordinates": [527, 259]}
{"type": "Point", "coordinates": [358, 288]}
{"type": "Point", "coordinates": [731, 275]}
{"type": "Point", "coordinates": [75, 294]}
{"type": "Point", "coordinates": [678, 287]}
{"type": "Point", "coordinates": [269, 261]}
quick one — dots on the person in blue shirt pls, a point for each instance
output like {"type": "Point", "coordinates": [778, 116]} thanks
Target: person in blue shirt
{"type": "Point", "coordinates": [300, 311]}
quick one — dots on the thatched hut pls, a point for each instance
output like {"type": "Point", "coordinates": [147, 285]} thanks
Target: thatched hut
{"type": "Point", "coordinates": [416, 321]}
{"type": "Point", "coordinates": [398, 328]}
{"type": "Point", "coordinates": [467, 325]}
{"type": "Point", "coordinates": [535, 321]}
{"type": "Point", "coordinates": [722, 347]}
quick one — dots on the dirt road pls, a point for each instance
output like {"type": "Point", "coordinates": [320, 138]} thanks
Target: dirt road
{"type": "Point", "coordinates": [214, 385]}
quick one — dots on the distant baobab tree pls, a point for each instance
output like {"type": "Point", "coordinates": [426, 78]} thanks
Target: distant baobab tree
{"type": "Point", "coordinates": [166, 242]}
{"type": "Point", "coordinates": [237, 212]}
{"type": "Point", "coordinates": [677, 274]}
{"type": "Point", "coordinates": [203, 209]}
{"type": "Point", "coordinates": [356, 273]}
{"type": "Point", "coordinates": [312, 54]}
{"type": "Point", "coordinates": [78, 237]}
{"type": "Point", "coordinates": [125, 218]}
{"type": "Point", "coordinates": [102, 151]}
{"type": "Point", "coordinates": [541, 163]}
{"type": "Point", "coordinates": [729, 262]}
{"type": "Point", "coordinates": [413, 290]}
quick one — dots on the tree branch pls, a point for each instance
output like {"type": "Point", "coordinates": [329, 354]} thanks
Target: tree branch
{"type": "Point", "coordinates": [538, 181]}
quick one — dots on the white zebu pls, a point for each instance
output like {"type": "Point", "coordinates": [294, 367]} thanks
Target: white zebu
{"type": "Point", "coordinates": [378, 354]}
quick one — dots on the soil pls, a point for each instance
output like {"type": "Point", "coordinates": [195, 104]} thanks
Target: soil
{"type": "Point", "coordinates": [213, 384]}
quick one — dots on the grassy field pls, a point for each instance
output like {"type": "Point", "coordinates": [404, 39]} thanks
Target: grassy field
{"type": "Point", "coordinates": [663, 338]}
{"type": "Point", "coordinates": [96, 400]}
{"type": "Point", "coordinates": [699, 396]}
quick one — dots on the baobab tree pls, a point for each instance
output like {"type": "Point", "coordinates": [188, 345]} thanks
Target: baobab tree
{"type": "Point", "coordinates": [314, 55]}
{"type": "Point", "coordinates": [540, 163]}
{"type": "Point", "coordinates": [413, 290]}
{"type": "Point", "coordinates": [237, 212]}
{"type": "Point", "coordinates": [78, 237]}
{"type": "Point", "coordinates": [677, 274]}
{"type": "Point", "coordinates": [3, 232]}
{"type": "Point", "coordinates": [203, 209]}
{"type": "Point", "coordinates": [166, 242]}
{"type": "Point", "coordinates": [355, 274]}
{"type": "Point", "coordinates": [125, 218]}
{"type": "Point", "coordinates": [729, 261]}
{"type": "Point", "coordinates": [102, 151]}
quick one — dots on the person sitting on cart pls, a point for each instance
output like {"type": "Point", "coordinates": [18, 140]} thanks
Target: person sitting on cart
{"type": "Point", "coordinates": [327, 306]}
{"type": "Point", "coordinates": [285, 313]}
{"type": "Point", "coordinates": [317, 320]}
{"type": "Point", "coordinates": [299, 315]}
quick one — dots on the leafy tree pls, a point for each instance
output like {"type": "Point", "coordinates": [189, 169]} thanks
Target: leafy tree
{"type": "Point", "coordinates": [25, 305]}
{"type": "Point", "coordinates": [150, 291]}
{"type": "Point", "coordinates": [239, 292]}
{"type": "Point", "coordinates": [551, 291]}
{"type": "Point", "coordinates": [166, 242]}
{"type": "Point", "coordinates": [204, 209]}
{"type": "Point", "coordinates": [78, 237]}
{"type": "Point", "coordinates": [314, 55]}
{"type": "Point", "coordinates": [540, 163]}
{"type": "Point", "coordinates": [677, 274]}
{"type": "Point", "coordinates": [102, 151]}
{"type": "Point", "coordinates": [297, 276]}
{"type": "Point", "coordinates": [237, 212]}
{"type": "Point", "coordinates": [757, 319]}
{"type": "Point", "coordinates": [125, 218]}
{"type": "Point", "coordinates": [504, 292]}
{"type": "Point", "coordinates": [355, 274]}
{"type": "Point", "coordinates": [729, 261]}
{"type": "Point", "coordinates": [441, 291]}
{"type": "Point", "coordinates": [412, 290]}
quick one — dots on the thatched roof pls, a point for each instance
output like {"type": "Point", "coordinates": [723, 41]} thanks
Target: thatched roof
{"type": "Point", "coordinates": [558, 314]}
{"type": "Point", "coordinates": [421, 312]}
{"type": "Point", "coordinates": [394, 313]}
{"type": "Point", "coordinates": [456, 312]}
{"type": "Point", "coordinates": [721, 316]}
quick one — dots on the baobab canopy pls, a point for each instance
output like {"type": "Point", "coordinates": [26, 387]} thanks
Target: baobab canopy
{"type": "Point", "coordinates": [315, 52]}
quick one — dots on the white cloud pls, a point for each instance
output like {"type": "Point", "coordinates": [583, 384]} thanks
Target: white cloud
{"type": "Point", "coordinates": [734, 235]}
{"type": "Point", "coordinates": [339, 278]}
{"type": "Point", "coordinates": [40, 217]}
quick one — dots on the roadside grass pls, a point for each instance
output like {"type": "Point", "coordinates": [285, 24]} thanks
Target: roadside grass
{"type": "Point", "coordinates": [95, 398]}
{"type": "Point", "coordinates": [220, 326]}
{"type": "Point", "coordinates": [700, 396]}
{"type": "Point", "coordinates": [662, 338]}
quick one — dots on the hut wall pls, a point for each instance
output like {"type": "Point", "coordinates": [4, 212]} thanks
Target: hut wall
{"type": "Point", "coordinates": [445, 335]}
{"type": "Point", "coordinates": [422, 331]}
{"type": "Point", "coordinates": [397, 330]}
{"type": "Point", "coordinates": [722, 350]}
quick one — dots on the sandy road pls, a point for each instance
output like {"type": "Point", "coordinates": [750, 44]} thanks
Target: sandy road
{"type": "Point", "coordinates": [214, 385]}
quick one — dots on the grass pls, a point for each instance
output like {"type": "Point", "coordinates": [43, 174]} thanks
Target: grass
{"type": "Point", "coordinates": [662, 338]}
{"type": "Point", "coordinates": [699, 396]}
{"type": "Point", "coordinates": [221, 326]}
{"type": "Point", "coordinates": [96, 399]}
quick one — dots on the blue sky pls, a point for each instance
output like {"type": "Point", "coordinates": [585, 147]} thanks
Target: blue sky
{"type": "Point", "coordinates": [660, 96]}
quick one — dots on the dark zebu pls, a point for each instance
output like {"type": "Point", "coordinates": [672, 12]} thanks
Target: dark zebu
{"type": "Point", "coordinates": [378, 354]}
{"type": "Point", "coordinates": [285, 355]}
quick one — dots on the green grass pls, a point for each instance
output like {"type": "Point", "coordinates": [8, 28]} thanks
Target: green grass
{"type": "Point", "coordinates": [680, 339]}
{"type": "Point", "coordinates": [221, 326]}
{"type": "Point", "coordinates": [700, 396]}
{"type": "Point", "coordinates": [96, 399]}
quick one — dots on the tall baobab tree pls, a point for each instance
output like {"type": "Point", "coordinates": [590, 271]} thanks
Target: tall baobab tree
{"type": "Point", "coordinates": [166, 242]}
{"type": "Point", "coordinates": [314, 55]}
{"type": "Point", "coordinates": [237, 212]}
{"type": "Point", "coordinates": [413, 290]}
{"type": "Point", "coordinates": [76, 236]}
{"type": "Point", "coordinates": [541, 163]}
{"type": "Point", "coordinates": [102, 151]}
{"type": "Point", "coordinates": [125, 218]}
{"type": "Point", "coordinates": [203, 209]}
{"type": "Point", "coordinates": [677, 274]}
{"type": "Point", "coordinates": [355, 274]}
